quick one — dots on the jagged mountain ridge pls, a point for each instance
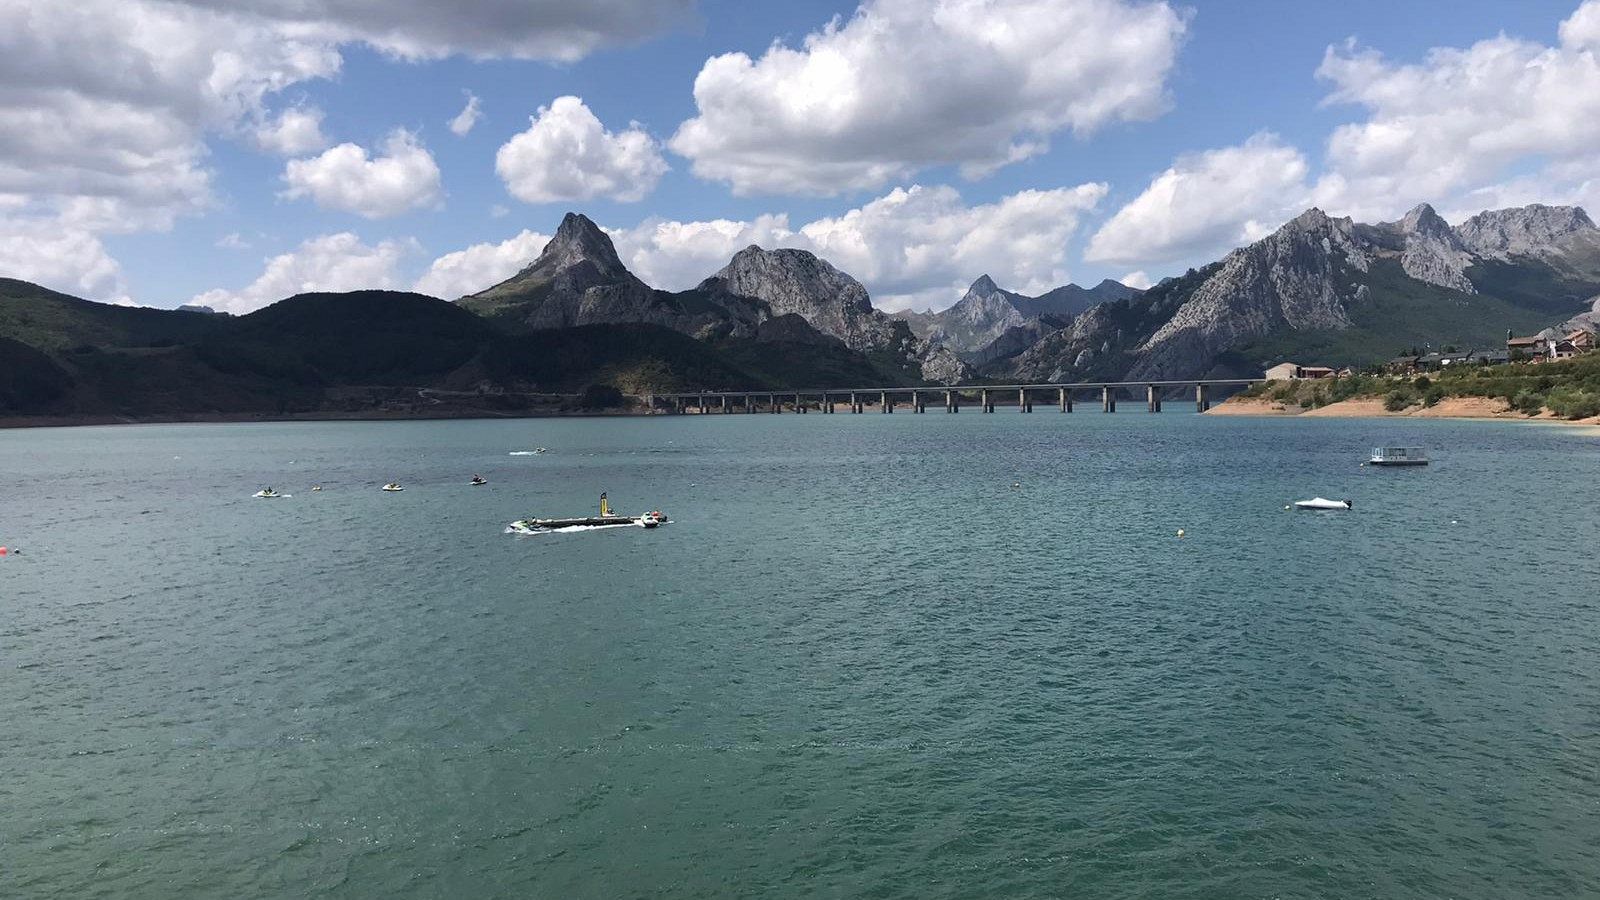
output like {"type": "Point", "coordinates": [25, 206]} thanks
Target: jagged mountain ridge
{"type": "Point", "coordinates": [1330, 290]}
{"type": "Point", "coordinates": [986, 312]}
{"type": "Point", "coordinates": [579, 279]}
{"type": "Point", "coordinates": [800, 283]}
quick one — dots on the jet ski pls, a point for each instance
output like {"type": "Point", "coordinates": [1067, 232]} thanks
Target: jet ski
{"type": "Point", "coordinates": [393, 486]}
{"type": "Point", "coordinates": [478, 480]}
{"type": "Point", "coordinates": [1323, 503]}
{"type": "Point", "coordinates": [266, 494]}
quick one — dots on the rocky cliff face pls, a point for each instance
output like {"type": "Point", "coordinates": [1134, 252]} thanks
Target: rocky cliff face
{"type": "Point", "coordinates": [1297, 278]}
{"type": "Point", "coordinates": [982, 314]}
{"type": "Point", "coordinates": [1411, 281]}
{"type": "Point", "coordinates": [798, 282]}
{"type": "Point", "coordinates": [1432, 252]}
{"type": "Point", "coordinates": [1535, 230]}
{"type": "Point", "coordinates": [578, 279]}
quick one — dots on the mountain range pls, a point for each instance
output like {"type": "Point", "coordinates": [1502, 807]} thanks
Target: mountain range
{"type": "Point", "coordinates": [1317, 290]}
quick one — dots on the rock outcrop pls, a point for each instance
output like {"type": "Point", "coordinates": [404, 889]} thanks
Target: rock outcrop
{"type": "Point", "coordinates": [798, 282]}
{"type": "Point", "coordinates": [1432, 252]}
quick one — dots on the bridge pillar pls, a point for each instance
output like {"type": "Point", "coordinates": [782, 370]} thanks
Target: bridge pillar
{"type": "Point", "coordinates": [749, 404]}
{"type": "Point", "coordinates": [1202, 397]}
{"type": "Point", "coordinates": [827, 403]}
{"type": "Point", "coordinates": [1023, 403]}
{"type": "Point", "coordinates": [1066, 399]}
{"type": "Point", "coordinates": [988, 404]}
{"type": "Point", "coordinates": [855, 402]}
{"type": "Point", "coordinates": [798, 406]}
{"type": "Point", "coordinates": [916, 402]}
{"type": "Point", "coordinates": [1108, 399]}
{"type": "Point", "coordinates": [950, 402]}
{"type": "Point", "coordinates": [885, 405]}
{"type": "Point", "coordinates": [772, 404]}
{"type": "Point", "coordinates": [1152, 398]}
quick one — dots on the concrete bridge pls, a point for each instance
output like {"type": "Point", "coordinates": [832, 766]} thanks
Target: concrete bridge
{"type": "Point", "coordinates": [856, 400]}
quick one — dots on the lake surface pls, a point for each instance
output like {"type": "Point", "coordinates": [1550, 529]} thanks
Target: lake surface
{"type": "Point", "coordinates": [872, 656]}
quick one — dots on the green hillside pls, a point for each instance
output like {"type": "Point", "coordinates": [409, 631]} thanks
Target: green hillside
{"type": "Point", "coordinates": [51, 321]}
{"type": "Point", "coordinates": [1400, 312]}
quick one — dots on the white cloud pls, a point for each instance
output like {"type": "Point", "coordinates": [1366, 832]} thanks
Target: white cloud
{"type": "Point", "coordinates": [468, 117]}
{"type": "Point", "coordinates": [107, 105]}
{"type": "Point", "coordinates": [232, 241]}
{"type": "Point", "coordinates": [51, 252]}
{"type": "Point", "coordinates": [907, 84]}
{"type": "Point", "coordinates": [110, 99]}
{"type": "Point", "coordinates": [402, 178]}
{"type": "Point", "coordinates": [1137, 279]}
{"type": "Point", "coordinates": [676, 256]}
{"type": "Point", "coordinates": [330, 262]}
{"type": "Point", "coordinates": [499, 211]}
{"type": "Point", "coordinates": [921, 245]}
{"type": "Point", "coordinates": [479, 266]}
{"type": "Point", "coordinates": [296, 131]}
{"type": "Point", "coordinates": [1207, 203]}
{"type": "Point", "coordinates": [558, 30]}
{"type": "Point", "coordinates": [1463, 120]}
{"type": "Point", "coordinates": [566, 154]}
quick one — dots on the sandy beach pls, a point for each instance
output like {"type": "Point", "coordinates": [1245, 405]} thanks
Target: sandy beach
{"type": "Point", "coordinates": [1372, 407]}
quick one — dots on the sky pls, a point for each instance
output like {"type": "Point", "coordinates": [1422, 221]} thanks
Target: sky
{"type": "Point", "coordinates": [235, 152]}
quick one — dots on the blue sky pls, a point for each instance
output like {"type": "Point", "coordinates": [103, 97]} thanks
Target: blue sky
{"type": "Point", "coordinates": [1240, 120]}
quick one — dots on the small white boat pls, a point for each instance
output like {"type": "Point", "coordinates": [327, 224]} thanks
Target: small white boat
{"type": "Point", "coordinates": [315, 488]}
{"type": "Point", "coordinates": [1323, 503]}
{"type": "Point", "coordinates": [478, 481]}
{"type": "Point", "coordinates": [266, 494]}
{"type": "Point", "coordinates": [393, 486]}
{"type": "Point", "coordinates": [652, 519]}
{"type": "Point", "coordinates": [1398, 456]}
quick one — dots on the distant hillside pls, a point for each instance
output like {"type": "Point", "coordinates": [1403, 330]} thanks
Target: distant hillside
{"type": "Point", "coordinates": [43, 318]}
{"type": "Point", "coordinates": [370, 352]}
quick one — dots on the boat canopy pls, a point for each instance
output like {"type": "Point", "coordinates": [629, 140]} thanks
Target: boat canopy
{"type": "Point", "coordinates": [1399, 453]}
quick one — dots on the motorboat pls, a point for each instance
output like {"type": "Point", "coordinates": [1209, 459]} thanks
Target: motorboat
{"type": "Point", "coordinates": [266, 494]}
{"type": "Point", "coordinates": [478, 480]}
{"type": "Point", "coordinates": [1398, 456]}
{"type": "Point", "coordinates": [315, 488]}
{"type": "Point", "coordinates": [393, 486]}
{"type": "Point", "coordinates": [652, 519]}
{"type": "Point", "coordinates": [1323, 503]}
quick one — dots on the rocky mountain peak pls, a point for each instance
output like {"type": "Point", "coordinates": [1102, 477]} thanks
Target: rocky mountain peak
{"type": "Point", "coordinates": [1423, 220]}
{"type": "Point", "coordinates": [579, 240]}
{"type": "Point", "coordinates": [798, 282]}
{"type": "Point", "coordinates": [1431, 251]}
{"type": "Point", "coordinates": [794, 281]}
{"type": "Point", "coordinates": [984, 285]}
{"type": "Point", "coordinates": [1535, 230]}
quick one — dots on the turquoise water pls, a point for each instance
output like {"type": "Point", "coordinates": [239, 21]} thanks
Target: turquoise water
{"type": "Point", "coordinates": [873, 656]}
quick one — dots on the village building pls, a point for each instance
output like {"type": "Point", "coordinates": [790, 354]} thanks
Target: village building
{"type": "Point", "coordinates": [1292, 372]}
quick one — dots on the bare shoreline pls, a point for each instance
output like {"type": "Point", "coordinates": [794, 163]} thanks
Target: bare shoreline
{"type": "Point", "coordinates": [1372, 408]}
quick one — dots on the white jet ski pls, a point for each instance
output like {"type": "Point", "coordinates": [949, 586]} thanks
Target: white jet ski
{"type": "Point", "coordinates": [393, 486]}
{"type": "Point", "coordinates": [1323, 503]}
{"type": "Point", "coordinates": [266, 494]}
